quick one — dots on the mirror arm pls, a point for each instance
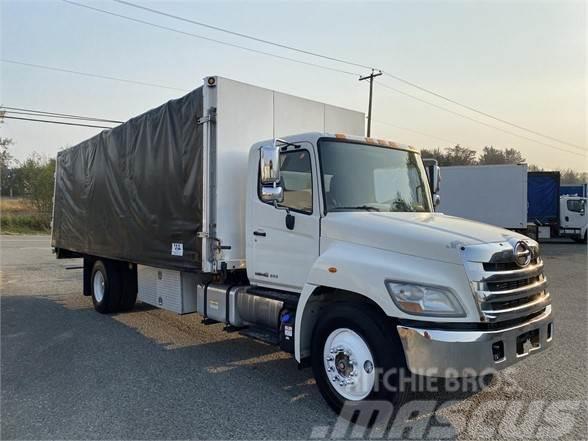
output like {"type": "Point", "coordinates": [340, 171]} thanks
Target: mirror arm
{"type": "Point", "coordinates": [278, 207]}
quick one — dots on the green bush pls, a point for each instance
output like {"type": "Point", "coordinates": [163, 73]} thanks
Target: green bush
{"type": "Point", "coordinates": [25, 223]}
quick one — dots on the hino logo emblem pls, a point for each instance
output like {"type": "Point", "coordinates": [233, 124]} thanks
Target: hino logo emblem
{"type": "Point", "coordinates": [522, 254]}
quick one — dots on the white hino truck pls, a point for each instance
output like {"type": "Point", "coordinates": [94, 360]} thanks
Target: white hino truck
{"type": "Point", "coordinates": [275, 216]}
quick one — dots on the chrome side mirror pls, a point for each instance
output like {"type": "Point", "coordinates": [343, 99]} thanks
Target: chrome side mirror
{"type": "Point", "coordinates": [269, 165]}
{"type": "Point", "coordinates": [433, 174]}
{"type": "Point", "coordinates": [437, 179]}
{"type": "Point", "coordinates": [269, 169]}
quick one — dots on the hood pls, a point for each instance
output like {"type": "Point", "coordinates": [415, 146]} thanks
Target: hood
{"type": "Point", "coordinates": [429, 235]}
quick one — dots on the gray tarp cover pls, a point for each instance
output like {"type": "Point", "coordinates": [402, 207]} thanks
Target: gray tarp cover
{"type": "Point", "coordinates": [131, 192]}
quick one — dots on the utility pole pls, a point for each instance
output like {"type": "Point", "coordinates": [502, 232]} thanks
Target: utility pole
{"type": "Point", "coordinates": [371, 78]}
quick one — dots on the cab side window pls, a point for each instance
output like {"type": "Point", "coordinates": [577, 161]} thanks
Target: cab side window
{"type": "Point", "coordinates": [577, 205]}
{"type": "Point", "coordinates": [296, 172]}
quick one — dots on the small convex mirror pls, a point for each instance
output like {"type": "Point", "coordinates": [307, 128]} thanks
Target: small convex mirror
{"type": "Point", "coordinates": [272, 194]}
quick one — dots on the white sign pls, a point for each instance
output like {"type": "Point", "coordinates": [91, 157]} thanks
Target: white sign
{"type": "Point", "coordinates": [288, 331]}
{"type": "Point", "coordinates": [177, 249]}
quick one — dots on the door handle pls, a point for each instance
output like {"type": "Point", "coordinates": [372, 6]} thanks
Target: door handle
{"type": "Point", "coordinates": [259, 233]}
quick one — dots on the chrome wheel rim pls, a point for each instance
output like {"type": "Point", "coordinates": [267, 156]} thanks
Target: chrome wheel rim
{"type": "Point", "coordinates": [349, 364]}
{"type": "Point", "coordinates": [99, 286]}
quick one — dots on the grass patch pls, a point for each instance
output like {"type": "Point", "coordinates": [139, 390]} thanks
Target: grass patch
{"type": "Point", "coordinates": [15, 206]}
{"type": "Point", "coordinates": [24, 224]}
{"type": "Point", "coordinates": [17, 216]}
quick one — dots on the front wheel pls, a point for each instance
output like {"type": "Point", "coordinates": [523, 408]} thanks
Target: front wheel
{"type": "Point", "coordinates": [357, 355]}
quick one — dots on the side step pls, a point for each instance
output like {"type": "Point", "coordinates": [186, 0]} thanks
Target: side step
{"type": "Point", "coordinates": [261, 334]}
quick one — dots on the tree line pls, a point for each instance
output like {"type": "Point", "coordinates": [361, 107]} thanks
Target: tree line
{"type": "Point", "coordinates": [31, 179]}
{"type": "Point", "coordinates": [459, 155]}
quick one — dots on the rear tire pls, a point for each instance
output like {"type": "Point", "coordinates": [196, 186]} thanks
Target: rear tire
{"type": "Point", "coordinates": [106, 287]}
{"type": "Point", "coordinates": [357, 356]}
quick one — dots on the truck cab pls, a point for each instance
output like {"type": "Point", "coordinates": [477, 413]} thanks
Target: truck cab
{"type": "Point", "coordinates": [572, 220]}
{"type": "Point", "coordinates": [342, 220]}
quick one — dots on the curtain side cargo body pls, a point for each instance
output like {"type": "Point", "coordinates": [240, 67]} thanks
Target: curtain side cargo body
{"type": "Point", "coordinates": [167, 188]}
{"type": "Point", "coordinates": [132, 192]}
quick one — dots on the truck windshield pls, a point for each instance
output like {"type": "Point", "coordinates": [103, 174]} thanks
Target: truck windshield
{"type": "Point", "coordinates": [372, 178]}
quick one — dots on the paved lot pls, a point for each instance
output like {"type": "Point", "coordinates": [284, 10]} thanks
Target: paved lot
{"type": "Point", "coordinates": [68, 372]}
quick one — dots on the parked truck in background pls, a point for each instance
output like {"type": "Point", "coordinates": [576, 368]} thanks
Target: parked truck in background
{"type": "Point", "coordinates": [553, 214]}
{"type": "Point", "coordinates": [273, 215]}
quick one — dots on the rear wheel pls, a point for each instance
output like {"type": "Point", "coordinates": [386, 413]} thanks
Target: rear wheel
{"type": "Point", "coordinates": [357, 355]}
{"type": "Point", "coordinates": [106, 287]}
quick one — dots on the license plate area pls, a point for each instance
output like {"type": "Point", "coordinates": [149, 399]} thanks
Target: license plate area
{"type": "Point", "coordinates": [527, 342]}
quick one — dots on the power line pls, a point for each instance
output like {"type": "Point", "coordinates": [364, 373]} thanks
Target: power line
{"type": "Point", "coordinates": [54, 122]}
{"type": "Point", "coordinates": [488, 115]}
{"type": "Point", "coordinates": [250, 37]}
{"type": "Point", "coordinates": [14, 112]}
{"type": "Point", "coordinates": [350, 63]}
{"type": "Point", "coordinates": [31, 112]}
{"type": "Point", "coordinates": [214, 40]}
{"type": "Point", "coordinates": [88, 74]}
{"type": "Point", "coordinates": [445, 109]}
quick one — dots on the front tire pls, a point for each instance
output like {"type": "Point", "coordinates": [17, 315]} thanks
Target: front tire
{"type": "Point", "coordinates": [357, 355]}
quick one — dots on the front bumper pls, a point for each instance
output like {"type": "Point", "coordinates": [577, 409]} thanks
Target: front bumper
{"type": "Point", "coordinates": [449, 353]}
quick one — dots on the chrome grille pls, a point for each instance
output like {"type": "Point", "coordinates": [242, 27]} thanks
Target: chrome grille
{"type": "Point", "coordinates": [503, 290]}
{"type": "Point", "coordinates": [512, 284]}
{"type": "Point", "coordinates": [504, 266]}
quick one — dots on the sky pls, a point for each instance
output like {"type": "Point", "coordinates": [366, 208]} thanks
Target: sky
{"type": "Point", "coordinates": [522, 61]}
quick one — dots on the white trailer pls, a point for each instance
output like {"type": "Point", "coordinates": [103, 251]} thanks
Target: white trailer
{"type": "Point", "coordinates": [273, 215]}
{"type": "Point", "coordinates": [493, 194]}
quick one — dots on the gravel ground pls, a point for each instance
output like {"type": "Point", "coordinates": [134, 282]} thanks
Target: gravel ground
{"type": "Point", "coordinates": [68, 372]}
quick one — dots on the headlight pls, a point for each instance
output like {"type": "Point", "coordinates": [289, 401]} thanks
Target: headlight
{"type": "Point", "coordinates": [425, 300]}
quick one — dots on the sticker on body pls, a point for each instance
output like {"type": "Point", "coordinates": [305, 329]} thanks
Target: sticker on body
{"type": "Point", "coordinates": [177, 249]}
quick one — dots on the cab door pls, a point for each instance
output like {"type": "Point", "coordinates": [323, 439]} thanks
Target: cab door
{"type": "Point", "coordinates": [284, 239]}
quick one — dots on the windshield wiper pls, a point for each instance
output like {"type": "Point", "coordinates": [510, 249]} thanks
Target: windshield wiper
{"type": "Point", "coordinates": [358, 207]}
